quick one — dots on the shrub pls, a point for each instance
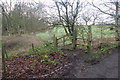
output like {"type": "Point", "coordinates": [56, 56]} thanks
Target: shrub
{"type": "Point", "coordinates": [47, 47]}
{"type": "Point", "coordinates": [12, 55]}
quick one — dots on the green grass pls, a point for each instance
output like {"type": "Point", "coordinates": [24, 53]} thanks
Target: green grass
{"type": "Point", "coordinates": [43, 50]}
{"type": "Point", "coordinates": [96, 32]}
{"type": "Point", "coordinates": [58, 31]}
{"type": "Point", "coordinates": [98, 53]}
{"type": "Point", "coordinates": [47, 47]}
{"type": "Point", "coordinates": [10, 55]}
{"type": "Point", "coordinates": [101, 52]}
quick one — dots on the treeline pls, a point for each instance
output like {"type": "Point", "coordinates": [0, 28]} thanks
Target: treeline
{"type": "Point", "coordinates": [22, 18]}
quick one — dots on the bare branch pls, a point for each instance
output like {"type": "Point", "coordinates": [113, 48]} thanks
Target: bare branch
{"type": "Point", "coordinates": [102, 10]}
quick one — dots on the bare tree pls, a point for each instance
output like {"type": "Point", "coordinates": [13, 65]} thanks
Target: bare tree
{"type": "Point", "coordinates": [68, 13]}
{"type": "Point", "coordinates": [21, 17]}
{"type": "Point", "coordinates": [86, 17]}
{"type": "Point", "coordinates": [6, 8]}
{"type": "Point", "coordinates": [111, 7]}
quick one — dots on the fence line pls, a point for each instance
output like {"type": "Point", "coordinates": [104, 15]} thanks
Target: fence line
{"type": "Point", "coordinates": [63, 38]}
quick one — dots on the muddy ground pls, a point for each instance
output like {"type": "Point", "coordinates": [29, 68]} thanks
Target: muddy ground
{"type": "Point", "coordinates": [105, 68]}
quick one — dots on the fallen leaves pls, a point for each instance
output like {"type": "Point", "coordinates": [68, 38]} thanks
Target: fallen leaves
{"type": "Point", "coordinates": [22, 67]}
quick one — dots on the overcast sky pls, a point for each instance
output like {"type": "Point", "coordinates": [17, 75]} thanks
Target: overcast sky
{"type": "Point", "coordinates": [48, 2]}
{"type": "Point", "coordinates": [51, 3]}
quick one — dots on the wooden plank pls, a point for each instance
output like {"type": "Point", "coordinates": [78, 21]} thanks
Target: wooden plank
{"type": "Point", "coordinates": [68, 44]}
{"type": "Point", "coordinates": [79, 38]}
{"type": "Point", "coordinates": [63, 36]}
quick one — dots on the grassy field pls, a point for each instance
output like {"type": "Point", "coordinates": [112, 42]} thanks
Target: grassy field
{"type": "Point", "coordinates": [48, 35]}
{"type": "Point", "coordinates": [107, 33]}
{"type": "Point", "coordinates": [96, 32]}
{"type": "Point", "coordinates": [38, 39]}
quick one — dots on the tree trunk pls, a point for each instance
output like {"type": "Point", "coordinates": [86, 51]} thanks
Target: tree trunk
{"type": "Point", "coordinates": [117, 36]}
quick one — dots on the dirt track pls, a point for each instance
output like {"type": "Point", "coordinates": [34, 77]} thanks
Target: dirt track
{"type": "Point", "coordinates": [107, 68]}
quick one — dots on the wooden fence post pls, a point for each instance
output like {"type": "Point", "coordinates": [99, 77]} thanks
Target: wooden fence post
{"type": "Point", "coordinates": [75, 38]}
{"type": "Point", "coordinates": [33, 47]}
{"type": "Point", "coordinates": [4, 49]}
{"type": "Point", "coordinates": [55, 42]}
{"type": "Point", "coordinates": [64, 41]}
{"type": "Point", "coordinates": [3, 58]}
{"type": "Point", "coordinates": [89, 39]}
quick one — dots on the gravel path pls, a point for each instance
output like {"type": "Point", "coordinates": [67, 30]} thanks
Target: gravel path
{"type": "Point", "coordinates": [107, 68]}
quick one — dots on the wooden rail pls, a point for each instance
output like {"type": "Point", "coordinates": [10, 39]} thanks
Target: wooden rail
{"type": "Point", "coordinates": [73, 39]}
